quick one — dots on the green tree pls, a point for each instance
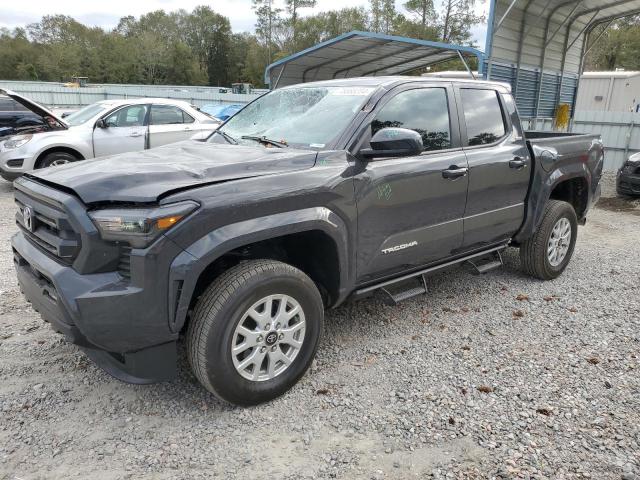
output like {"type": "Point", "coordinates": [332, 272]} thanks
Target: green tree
{"type": "Point", "coordinates": [616, 46]}
{"type": "Point", "coordinates": [384, 16]}
{"type": "Point", "coordinates": [293, 7]}
{"type": "Point", "coordinates": [456, 19]}
{"type": "Point", "coordinates": [422, 22]}
{"type": "Point", "coordinates": [268, 23]}
{"type": "Point", "coordinates": [209, 36]}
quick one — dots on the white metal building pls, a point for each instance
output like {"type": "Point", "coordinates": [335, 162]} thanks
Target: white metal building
{"type": "Point", "coordinates": [609, 92]}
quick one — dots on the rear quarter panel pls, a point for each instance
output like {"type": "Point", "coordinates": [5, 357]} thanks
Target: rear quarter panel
{"type": "Point", "coordinates": [577, 156]}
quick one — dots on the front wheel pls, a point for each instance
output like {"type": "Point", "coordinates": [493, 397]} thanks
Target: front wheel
{"type": "Point", "coordinates": [56, 159]}
{"type": "Point", "coordinates": [547, 252]}
{"type": "Point", "coordinates": [255, 331]}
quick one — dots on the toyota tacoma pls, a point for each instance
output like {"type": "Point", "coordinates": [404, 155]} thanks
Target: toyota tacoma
{"type": "Point", "coordinates": [311, 195]}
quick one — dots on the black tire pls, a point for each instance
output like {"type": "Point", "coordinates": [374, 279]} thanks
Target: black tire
{"type": "Point", "coordinates": [533, 252]}
{"type": "Point", "coordinates": [55, 158]}
{"type": "Point", "coordinates": [210, 333]}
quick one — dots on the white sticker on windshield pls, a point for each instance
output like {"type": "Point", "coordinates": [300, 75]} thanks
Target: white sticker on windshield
{"type": "Point", "coordinates": [316, 145]}
{"type": "Point", "coordinates": [350, 91]}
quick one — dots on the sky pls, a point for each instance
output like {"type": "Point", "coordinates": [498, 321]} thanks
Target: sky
{"type": "Point", "coordinates": [107, 13]}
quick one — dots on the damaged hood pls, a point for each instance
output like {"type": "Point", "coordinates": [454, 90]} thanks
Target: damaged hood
{"type": "Point", "coordinates": [147, 175]}
{"type": "Point", "coordinates": [34, 107]}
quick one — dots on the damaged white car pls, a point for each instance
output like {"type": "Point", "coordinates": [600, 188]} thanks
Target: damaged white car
{"type": "Point", "coordinates": [103, 128]}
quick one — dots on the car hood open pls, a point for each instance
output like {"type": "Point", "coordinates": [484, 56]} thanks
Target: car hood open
{"type": "Point", "coordinates": [146, 176]}
{"type": "Point", "coordinates": [34, 107]}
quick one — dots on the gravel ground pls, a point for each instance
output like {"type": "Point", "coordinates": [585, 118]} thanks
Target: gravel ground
{"type": "Point", "coordinates": [499, 376]}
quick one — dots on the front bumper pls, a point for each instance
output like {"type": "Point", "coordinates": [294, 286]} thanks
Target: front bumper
{"type": "Point", "coordinates": [10, 174]}
{"type": "Point", "coordinates": [13, 163]}
{"type": "Point", "coordinates": [110, 319]}
{"type": "Point", "coordinates": [628, 183]}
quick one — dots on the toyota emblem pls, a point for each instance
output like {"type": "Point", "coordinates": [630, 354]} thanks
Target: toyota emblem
{"type": "Point", "coordinates": [27, 218]}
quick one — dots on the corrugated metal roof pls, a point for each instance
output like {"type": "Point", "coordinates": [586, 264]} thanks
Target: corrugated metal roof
{"type": "Point", "coordinates": [357, 54]}
{"type": "Point", "coordinates": [543, 43]}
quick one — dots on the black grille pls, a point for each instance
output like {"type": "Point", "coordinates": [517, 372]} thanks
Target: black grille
{"type": "Point", "coordinates": [124, 263]}
{"type": "Point", "coordinates": [46, 224]}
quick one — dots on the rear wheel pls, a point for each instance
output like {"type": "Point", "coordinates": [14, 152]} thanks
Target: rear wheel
{"type": "Point", "coordinates": [55, 159]}
{"type": "Point", "coordinates": [255, 331]}
{"type": "Point", "coordinates": [547, 253]}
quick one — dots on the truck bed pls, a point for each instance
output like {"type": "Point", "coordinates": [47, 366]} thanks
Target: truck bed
{"type": "Point", "coordinates": [562, 142]}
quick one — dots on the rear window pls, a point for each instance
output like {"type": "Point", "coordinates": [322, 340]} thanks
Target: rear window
{"type": "Point", "coordinates": [482, 116]}
{"type": "Point", "coordinates": [169, 115]}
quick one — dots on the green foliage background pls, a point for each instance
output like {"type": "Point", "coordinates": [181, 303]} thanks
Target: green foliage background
{"type": "Point", "coordinates": [199, 47]}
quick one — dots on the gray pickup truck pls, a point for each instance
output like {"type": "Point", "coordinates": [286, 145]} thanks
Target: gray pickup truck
{"type": "Point", "coordinates": [309, 196]}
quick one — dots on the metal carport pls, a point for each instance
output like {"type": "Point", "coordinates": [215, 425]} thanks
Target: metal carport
{"type": "Point", "coordinates": [538, 46]}
{"type": "Point", "coordinates": [356, 54]}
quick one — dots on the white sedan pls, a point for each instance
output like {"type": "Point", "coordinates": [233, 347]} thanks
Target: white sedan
{"type": "Point", "coordinates": [103, 128]}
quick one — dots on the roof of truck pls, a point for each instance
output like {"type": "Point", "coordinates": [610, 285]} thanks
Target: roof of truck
{"type": "Point", "coordinates": [392, 81]}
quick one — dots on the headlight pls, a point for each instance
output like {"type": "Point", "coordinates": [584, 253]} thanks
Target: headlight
{"type": "Point", "coordinates": [16, 141]}
{"type": "Point", "coordinates": [139, 226]}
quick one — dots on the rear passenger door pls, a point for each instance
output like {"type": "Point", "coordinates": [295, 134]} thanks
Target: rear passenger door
{"type": "Point", "coordinates": [169, 124]}
{"type": "Point", "coordinates": [499, 166]}
{"type": "Point", "coordinates": [409, 214]}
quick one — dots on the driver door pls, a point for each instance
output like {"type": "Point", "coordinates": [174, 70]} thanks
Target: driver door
{"type": "Point", "coordinates": [409, 214]}
{"type": "Point", "coordinates": [125, 131]}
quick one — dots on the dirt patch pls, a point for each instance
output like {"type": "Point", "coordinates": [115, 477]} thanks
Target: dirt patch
{"type": "Point", "coordinates": [620, 204]}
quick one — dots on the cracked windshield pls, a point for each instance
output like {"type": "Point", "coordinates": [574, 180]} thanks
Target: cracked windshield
{"type": "Point", "coordinates": [310, 117]}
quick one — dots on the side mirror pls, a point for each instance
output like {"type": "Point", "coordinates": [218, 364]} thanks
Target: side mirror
{"type": "Point", "coordinates": [394, 142]}
{"type": "Point", "coordinates": [101, 123]}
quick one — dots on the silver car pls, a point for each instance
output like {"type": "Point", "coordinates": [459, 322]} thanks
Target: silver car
{"type": "Point", "coordinates": [103, 128]}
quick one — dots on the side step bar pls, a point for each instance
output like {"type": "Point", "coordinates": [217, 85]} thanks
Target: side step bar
{"type": "Point", "coordinates": [404, 292]}
{"type": "Point", "coordinates": [486, 264]}
{"type": "Point", "coordinates": [393, 296]}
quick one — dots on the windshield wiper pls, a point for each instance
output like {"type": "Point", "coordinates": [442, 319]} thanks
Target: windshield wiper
{"type": "Point", "coordinates": [266, 140]}
{"type": "Point", "coordinates": [227, 137]}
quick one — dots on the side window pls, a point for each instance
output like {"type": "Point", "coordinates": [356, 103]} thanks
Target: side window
{"type": "Point", "coordinates": [482, 115]}
{"type": "Point", "coordinates": [424, 110]}
{"type": "Point", "coordinates": [131, 116]}
{"type": "Point", "coordinates": [169, 115]}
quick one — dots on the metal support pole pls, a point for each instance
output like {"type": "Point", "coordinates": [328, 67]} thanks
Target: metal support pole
{"type": "Point", "coordinates": [466, 65]}
{"type": "Point", "coordinates": [524, 36]}
{"type": "Point", "coordinates": [583, 30]}
{"type": "Point", "coordinates": [598, 37]}
{"type": "Point", "coordinates": [497, 27]}
{"type": "Point", "coordinates": [628, 140]}
{"type": "Point", "coordinates": [490, 34]}
{"type": "Point", "coordinates": [573, 10]}
{"type": "Point", "coordinates": [279, 75]}
{"type": "Point", "coordinates": [544, 51]}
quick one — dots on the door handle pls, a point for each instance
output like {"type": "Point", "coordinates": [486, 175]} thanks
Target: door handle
{"type": "Point", "coordinates": [135, 134]}
{"type": "Point", "coordinates": [454, 172]}
{"type": "Point", "coordinates": [518, 163]}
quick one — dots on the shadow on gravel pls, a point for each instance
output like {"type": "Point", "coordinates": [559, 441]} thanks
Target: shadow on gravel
{"type": "Point", "coordinates": [620, 204]}
{"type": "Point", "coordinates": [6, 187]}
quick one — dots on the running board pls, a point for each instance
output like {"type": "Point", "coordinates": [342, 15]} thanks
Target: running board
{"type": "Point", "coordinates": [409, 293]}
{"type": "Point", "coordinates": [393, 296]}
{"type": "Point", "coordinates": [486, 264]}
